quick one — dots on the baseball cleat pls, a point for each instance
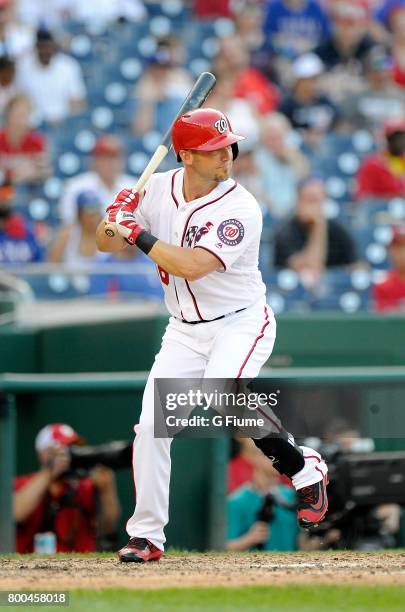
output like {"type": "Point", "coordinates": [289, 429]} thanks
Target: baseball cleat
{"type": "Point", "coordinates": [312, 504]}
{"type": "Point", "coordinates": [139, 550]}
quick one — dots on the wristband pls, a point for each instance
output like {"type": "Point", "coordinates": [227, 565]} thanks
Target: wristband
{"type": "Point", "coordinates": [145, 241]}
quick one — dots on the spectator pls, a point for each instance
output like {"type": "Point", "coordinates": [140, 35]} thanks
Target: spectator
{"type": "Point", "coordinates": [248, 19]}
{"type": "Point", "coordinates": [261, 513]}
{"type": "Point", "coordinates": [22, 150]}
{"type": "Point", "coordinates": [72, 506]}
{"type": "Point", "coordinates": [246, 171]}
{"type": "Point", "coordinates": [307, 108]}
{"type": "Point", "coordinates": [44, 13]}
{"type": "Point", "coordinates": [249, 83]}
{"type": "Point", "coordinates": [240, 467]}
{"type": "Point", "coordinates": [52, 13]}
{"type": "Point", "coordinates": [295, 26]}
{"type": "Point", "coordinates": [104, 12]}
{"type": "Point", "coordinates": [210, 9]}
{"type": "Point", "coordinates": [345, 49]}
{"type": "Point", "coordinates": [161, 89]}
{"type": "Point", "coordinates": [382, 175]}
{"type": "Point", "coordinates": [352, 526]}
{"type": "Point", "coordinates": [241, 113]}
{"type": "Point", "coordinates": [389, 295]}
{"type": "Point", "coordinates": [52, 80]}
{"type": "Point", "coordinates": [16, 39]}
{"type": "Point", "coordinates": [390, 17]}
{"type": "Point", "coordinates": [309, 243]}
{"type": "Point", "coordinates": [281, 165]}
{"type": "Point", "coordinates": [8, 88]}
{"type": "Point", "coordinates": [349, 39]}
{"type": "Point", "coordinates": [18, 244]}
{"type": "Point", "coordinates": [397, 26]}
{"type": "Point", "coordinates": [105, 178]}
{"type": "Point", "coordinates": [75, 244]}
{"type": "Point", "coordinates": [381, 98]}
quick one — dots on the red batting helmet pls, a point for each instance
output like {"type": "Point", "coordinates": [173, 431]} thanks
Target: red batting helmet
{"type": "Point", "coordinates": [203, 129]}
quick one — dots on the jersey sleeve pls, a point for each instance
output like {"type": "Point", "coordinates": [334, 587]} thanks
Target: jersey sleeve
{"type": "Point", "coordinates": [227, 236]}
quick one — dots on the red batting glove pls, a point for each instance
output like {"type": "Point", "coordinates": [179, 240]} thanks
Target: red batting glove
{"type": "Point", "coordinates": [124, 197]}
{"type": "Point", "coordinates": [126, 223]}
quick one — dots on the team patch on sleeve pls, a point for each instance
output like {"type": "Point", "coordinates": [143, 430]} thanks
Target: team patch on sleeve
{"type": "Point", "coordinates": [231, 232]}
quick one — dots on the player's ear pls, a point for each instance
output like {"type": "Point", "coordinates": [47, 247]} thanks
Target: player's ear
{"type": "Point", "coordinates": [186, 157]}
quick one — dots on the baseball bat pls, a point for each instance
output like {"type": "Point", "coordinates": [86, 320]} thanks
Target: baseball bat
{"type": "Point", "coordinates": [195, 98]}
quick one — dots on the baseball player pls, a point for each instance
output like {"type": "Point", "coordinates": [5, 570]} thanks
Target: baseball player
{"type": "Point", "coordinates": [202, 230]}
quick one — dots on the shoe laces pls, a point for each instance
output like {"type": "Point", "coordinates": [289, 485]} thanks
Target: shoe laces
{"type": "Point", "coordinates": [139, 542]}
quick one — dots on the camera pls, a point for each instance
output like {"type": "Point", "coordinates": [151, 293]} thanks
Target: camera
{"type": "Point", "coordinates": [360, 482]}
{"type": "Point", "coordinates": [115, 455]}
{"type": "Point", "coordinates": [266, 511]}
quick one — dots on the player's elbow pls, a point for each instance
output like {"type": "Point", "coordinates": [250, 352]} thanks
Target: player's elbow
{"type": "Point", "coordinates": [199, 264]}
{"type": "Point", "coordinates": [194, 274]}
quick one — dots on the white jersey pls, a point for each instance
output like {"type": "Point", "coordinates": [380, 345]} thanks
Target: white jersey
{"type": "Point", "coordinates": [228, 223]}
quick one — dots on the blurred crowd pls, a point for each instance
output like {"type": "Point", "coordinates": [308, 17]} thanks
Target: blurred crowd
{"type": "Point", "coordinates": [317, 87]}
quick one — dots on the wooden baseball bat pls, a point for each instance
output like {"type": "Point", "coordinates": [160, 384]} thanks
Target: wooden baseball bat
{"type": "Point", "coordinates": [195, 98]}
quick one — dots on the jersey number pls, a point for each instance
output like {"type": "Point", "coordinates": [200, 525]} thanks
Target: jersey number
{"type": "Point", "coordinates": [164, 276]}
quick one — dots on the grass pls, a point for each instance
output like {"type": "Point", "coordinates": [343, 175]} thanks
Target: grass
{"type": "Point", "coordinates": [260, 598]}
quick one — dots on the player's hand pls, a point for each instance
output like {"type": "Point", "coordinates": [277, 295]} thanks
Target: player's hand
{"type": "Point", "coordinates": [258, 533]}
{"type": "Point", "coordinates": [127, 224]}
{"type": "Point", "coordinates": [124, 197]}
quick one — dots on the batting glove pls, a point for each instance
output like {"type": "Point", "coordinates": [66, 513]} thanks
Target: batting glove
{"type": "Point", "coordinates": [124, 197]}
{"type": "Point", "coordinates": [126, 223]}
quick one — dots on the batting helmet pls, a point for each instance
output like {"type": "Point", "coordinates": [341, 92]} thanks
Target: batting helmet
{"type": "Point", "coordinates": [204, 129]}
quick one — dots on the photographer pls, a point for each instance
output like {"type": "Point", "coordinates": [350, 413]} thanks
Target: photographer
{"type": "Point", "coordinates": [80, 508]}
{"type": "Point", "coordinates": [356, 524]}
{"type": "Point", "coordinates": [261, 514]}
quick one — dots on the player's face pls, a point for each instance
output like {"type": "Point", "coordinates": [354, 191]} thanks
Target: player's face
{"type": "Point", "coordinates": [213, 165]}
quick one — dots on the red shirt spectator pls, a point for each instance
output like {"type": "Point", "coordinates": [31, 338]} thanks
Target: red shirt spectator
{"type": "Point", "coordinates": [233, 62]}
{"type": "Point", "coordinates": [31, 143]}
{"type": "Point", "coordinates": [58, 500]}
{"type": "Point", "coordinates": [22, 150]}
{"type": "Point", "coordinates": [376, 179]}
{"type": "Point", "coordinates": [399, 74]}
{"type": "Point", "coordinates": [382, 175]}
{"type": "Point", "coordinates": [212, 8]}
{"type": "Point", "coordinates": [70, 511]}
{"type": "Point", "coordinates": [389, 296]}
{"type": "Point", "coordinates": [240, 471]}
{"type": "Point", "coordinates": [251, 85]}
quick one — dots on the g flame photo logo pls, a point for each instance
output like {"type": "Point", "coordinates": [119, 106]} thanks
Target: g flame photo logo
{"type": "Point", "coordinates": [231, 232]}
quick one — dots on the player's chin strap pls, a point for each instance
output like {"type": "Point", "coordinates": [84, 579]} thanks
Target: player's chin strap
{"type": "Point", "coordinates": [281, 448]}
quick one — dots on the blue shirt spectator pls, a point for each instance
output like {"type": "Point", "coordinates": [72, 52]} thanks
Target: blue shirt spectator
{"type": "Point", "coordinates": [18, 244]}
{"type": "Point", "coordinates": [243, 507]}
{"type": "Point", "coordinates": [295, 26]}
{"type": "Point", "coordinates": [384, 12]}
{"type": "Point", "coordinates": [261, 513]}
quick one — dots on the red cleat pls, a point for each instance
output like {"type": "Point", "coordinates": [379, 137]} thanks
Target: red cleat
{"type": "Point", "coordinates": [312, 504]}
{"type": "Point", "coordinates": [139, 550]}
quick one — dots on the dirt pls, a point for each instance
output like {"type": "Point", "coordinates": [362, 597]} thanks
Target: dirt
{"type": "Point", "coordinates": [209, 569]}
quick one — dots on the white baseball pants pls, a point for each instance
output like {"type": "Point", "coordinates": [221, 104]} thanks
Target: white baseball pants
{"type": "Point", "coordinates": [236, 346]}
